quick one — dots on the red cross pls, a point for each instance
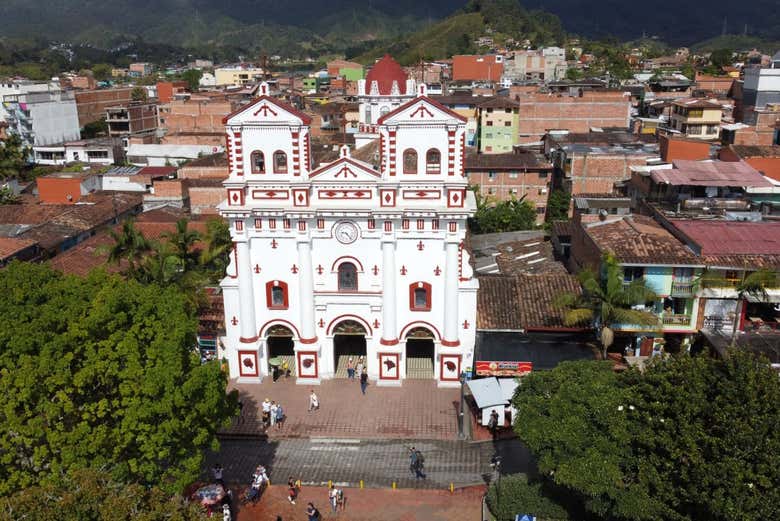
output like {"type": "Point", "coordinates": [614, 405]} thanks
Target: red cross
{"type": "Point", "coordinates": [294, 268]}
{"type": "Point", "coordinates": [319, 269]}
{"type": "Point", "coordinates": [376, 323]}
{"type": "Point", "coordinates": [265, 109]}
{"type": "Point", "coordinates": [321, 323]}
{"type": "Point", "coordinates": [437, 271]}
{"type": "Point", "coordinates": [403, 270]}
{"type": "Point", "coordinates": [257, 268]}
{"type": "Point", "coordinates": [274, 244]}
{"type": "Point", "coordinates": [234, 321]}
{"type": "Point", "coordinates": [375, 269]}
{"type": "Point", "coordinates": [465, 324]}
{"type": "Point", "coordinates": [420, 246]}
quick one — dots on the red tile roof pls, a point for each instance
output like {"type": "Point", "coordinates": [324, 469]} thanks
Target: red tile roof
{"type": "Point", "coordinates": [385, 72]}
{"type": "Point", "coordinates": [711, 173]}
{"type": "Point", "coordinates": [12, 245]}
{"type": "Point", "coordinates": [732, 238]}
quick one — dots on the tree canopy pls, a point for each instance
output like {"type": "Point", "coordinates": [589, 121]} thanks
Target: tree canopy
{"type": "Point", "coordinates": [13, 157]}
{"type": "Point", "coordinates": [688, 439]}
{"type": "Point", "coordinates": [100, 373]}
{"type": "Point", "coordinates": [503, 216]}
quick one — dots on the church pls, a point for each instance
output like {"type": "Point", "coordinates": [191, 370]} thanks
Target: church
{"type": "Point", "coordinates": [344, 260]}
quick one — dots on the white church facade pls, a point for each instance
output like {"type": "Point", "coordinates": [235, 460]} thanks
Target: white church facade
{"type": "Point", "coordinates": [343, 260]}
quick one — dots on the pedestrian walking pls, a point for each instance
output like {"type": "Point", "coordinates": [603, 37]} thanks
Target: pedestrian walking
{"type": "Point", "coordinates": [292, 490]}
{"type": "Point", "coordinates": [360, 366]}
{"type": "Point", "coordinates": [285, 369]}
{"type": "Point", "coordinates": [333, 497]}
{"type": "Point", "coordinates": [350, 369]}
{"type": "Point", "coordinates": [313, 513]}
{"type": "Point", "coordinates": [266, 410]}
{"type": "Point", "coordinates": [314, 402]}
{"type": "Point", "coordinates": [416, 463]}
{"type": "Point", "coordinates": [279, 416]}
{"type": "Point", "coordinates": [363, 380]}
{"type": "Point", "coordinates": [272, 416]}
{"type": "Point", "coordinates": [412, 459]}
{"type": "Point", "coordinates": [342, 501]}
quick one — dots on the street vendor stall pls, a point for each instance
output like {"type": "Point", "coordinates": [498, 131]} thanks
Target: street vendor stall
{"type": "Point", "coordinates": [489, 395]}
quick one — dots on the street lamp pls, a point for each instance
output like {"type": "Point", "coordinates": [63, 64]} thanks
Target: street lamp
{"type": "Point", "coordinates": [462, 378]}
{"type": "Point", "coordinates": [495, 464]}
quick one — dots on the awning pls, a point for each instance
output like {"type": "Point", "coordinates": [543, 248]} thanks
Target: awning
{"type": "Point", "coordinates": [487, 392]}
{"type": "Point", "coordinates": [542, 350]}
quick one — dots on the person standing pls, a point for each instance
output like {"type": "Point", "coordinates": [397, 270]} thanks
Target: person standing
{"type": "Point", "coordinates": [314, 402]}
{"type": "Point", "coordinates": [279, 416]}
{"type": "Point", "coordinates": [313, 513]}
{"type": "Point", "coordinates": [333, 497]}
{"type": "Point", "coordinates": [419, 465]}
{"type": "Point", "coordinates": [363, 380]}
{"type": "Point", "coordinates": [292, 491]}
{"type": "Point", "coordinates": [360, 366]}
{"type": "Point", "coordinates": [493, 424]}
{"type": "Point", "coordinates": [217, 472]}
{"type": "Point", "coordinates": [342, 501]}
{"type": "Point", "coordinates": [350, 369]}
{"type": "Point", "coordinates": [412, 459]}
{"type": "Point", "coordinates": [266, 408]}
{"type": "Point", "coordinates": [272, 416]}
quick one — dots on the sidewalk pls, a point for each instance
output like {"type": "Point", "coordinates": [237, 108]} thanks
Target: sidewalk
{"type": "Point", "coordinates": [370, 504]}
{"type": "Point", "coordinates": [416, 410]}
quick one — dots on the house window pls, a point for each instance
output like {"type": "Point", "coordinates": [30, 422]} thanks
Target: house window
{"type": "Point", "coordinates": [684, 274]}
{"type": "Point", "coordinates": [276, 294]}
{"type": "Point", "coordinates": [540, 210]}
{"type": "Point", "coordinates": [347, 277]}
{"type": "Point", "coordinates": [420, 296]}
{"type": "Point", "coordinates": [280, 162]}
{"type": "Point", "coordinates": [433, 161]}
{"type": "Point", "coordinates": [542, 175]}
{"type": "Point", "coordinates": [410, 161]}
{"type": "Point", "coordinates": [712, 129]}
{"type": "Point", "coordinates": [633, 273]}
{"type": "Point", "coordinates": [258, 162]}
{"type": "Point", "coordinates": [489, 123]}
{"type": "Point", "coordinates": [368, 115]}
{"type": "Point", "coordinates": [507, 123]}
{"type": "Point", "coordinates": [513, 175]}
{"type": "Point", "coordinates": [491, 175]}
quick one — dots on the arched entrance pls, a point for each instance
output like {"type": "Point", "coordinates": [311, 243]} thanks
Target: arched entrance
{"type": "Point", "coordinates": [279, 340]}
{"type": "Point", "coordinates": [349, 341]}
{"type": "Point", "coordinates": [419, 353]}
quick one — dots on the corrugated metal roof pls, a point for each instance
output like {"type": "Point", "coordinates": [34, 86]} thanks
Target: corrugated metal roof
{"type": "Point", "coordinates": [711, 173]}
{"type": "Point", "coordinates": [729, 237]}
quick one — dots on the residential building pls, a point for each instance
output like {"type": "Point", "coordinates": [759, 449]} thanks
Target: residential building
{"type": "Point", "coordinates": [134, 178]}
{"type": "Point", "coordinates": [547, 64]}
{"type": "Point", "coordinates": [198, 119]}
{"type": "Point", "coordinates": [99, 151]}
{"type": "Point", "coordinates": [715, 84]}
{"type": "Point", "coordinates": [350, 71]}
{"type": "Point", "coordinates": [91, 105]}
{"type": "Point", "coordinates": [238, 75]}
{"type": "Point", "coordinates": [139, 70]}
{"type": "Point", "coordinates": [40, 114]}
{"type": "Point", "coordinates": [514, 175]}
{"type": "Point", "coordinates": [465, 105]}
{"type": "Point", "coordinates": [207, 81]}
{"type": "Point", "coordinates": [579, 114]}
{"type": "Point", "coordinates": [153, 154]}
{"type": "Point", "coordinates": [765, 159]}
{"type": "Point", "coordinates": [67, 187]}
{"type": "Point", "coordinates": [385, 88]}
{"type": "Point", "coordinates": [12, 248]}
{"type": "Point", "coordinates": [674, 147]}
{"type": "Point", "coordinates": [488, 67]}
{"type": "Point", "coordinates": [347, 260]}
{"type": "Point", "coordinates": [761, 87]}
{"type": "Point", "coordinates": [697, 118]}
{"type": "Point", "coordinates": [498, 119]}
{"type": "Point", "coordinates": [596, 207]}
{"type": "Point", "coordinates": [136, 117]}
{"type": "Point", "coordinates": [168, 90]}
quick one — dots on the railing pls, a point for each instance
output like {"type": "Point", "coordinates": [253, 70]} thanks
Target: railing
{"type": "Point", "coordinates": [368, 129]}
{"type": "Point", "coordinates": [682, 288]}
{"type": "Point", "coordinates": [676, 320]}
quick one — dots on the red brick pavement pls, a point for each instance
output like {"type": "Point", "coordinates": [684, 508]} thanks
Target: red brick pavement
{"type": "Point", "coordinates": [416, 410]}
{"type": "Point", "coordinates": [370, 505]}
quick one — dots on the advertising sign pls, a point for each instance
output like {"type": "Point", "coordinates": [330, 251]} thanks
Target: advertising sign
{"type": "Point", "coordinates": [495, 368]}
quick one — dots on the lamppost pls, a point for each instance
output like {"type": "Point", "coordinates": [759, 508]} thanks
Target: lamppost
{"type": "Point", "coordinates": [462, 378]}
{"type": "Point", "coordinates": [495, 464]}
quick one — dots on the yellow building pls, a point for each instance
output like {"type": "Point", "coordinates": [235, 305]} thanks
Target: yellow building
{"type": "Point", "coordinates": [697, 118]}
{"type": "Point", "coordinates": [237, 75]}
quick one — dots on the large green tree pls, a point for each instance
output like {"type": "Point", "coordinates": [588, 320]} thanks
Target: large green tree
{"type": "Point", "coordinates": [503, 216]}
{"type": "Point", "coordinates": [13, 157]}
{"type": "Point", "coordinates": [687, 439]}
{"type": "Point", "coordinates": [100, 373]}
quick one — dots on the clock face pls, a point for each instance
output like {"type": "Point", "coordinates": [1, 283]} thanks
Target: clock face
{"type": "Point", "coordinates": [346, 232]}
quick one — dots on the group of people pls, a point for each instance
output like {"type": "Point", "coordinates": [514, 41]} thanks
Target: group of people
{"type": "Point", "coordinates": [360, 370]}
{"type": "Point", "coordinates": [272, 414]}
{"type": "Point", "coordinates": [259, 482]}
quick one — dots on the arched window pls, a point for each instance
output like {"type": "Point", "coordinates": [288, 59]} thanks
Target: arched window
{"type": "Point", "coordinates": [368, 115]}
{"type": "Point", "coordinates": [433, 161]}
{"type": "Point", "coordinates": [280, 162]}
{"type": "Point", "coordinates": [347, 277]}
{"type": "Point", "coordinates": [258, 162]}
{"type": "Point", "coordinates": [420, 296]}
{"type": "Point", "coordinates": [276, 294]}
{"type": "Point", "coordinates": [410, 161]}
{"type": "Point", "coordinates": [384, 110]}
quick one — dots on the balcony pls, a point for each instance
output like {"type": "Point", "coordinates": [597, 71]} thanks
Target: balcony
{"type": "Point", "coordinates": [681, 288]}
{"type": "Point", "coordinates": [676, 320]}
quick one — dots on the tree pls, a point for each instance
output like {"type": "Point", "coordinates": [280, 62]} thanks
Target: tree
{"type": "Point", "coordinates": [606, 300]}
{"type": "Point", "coordinates": [192, 77]}
{"type": "Point", "coordinates": [129, 245]}
{"type": "Point", "coordinates": [100, 373]}
{"type": "Point", "coordinates": [721, 58]}
{"type": "Point", "coordinates": [138, 94]}
{"type": "Point", "coordinates": [94, 129]}
{"type": "Point", "coordinates": [87, 494]}
{"type": "Point", "coordinates": [13, 156]}
{"type": "Point", "coordinates": [503, 216]}
{"type": "Point", "coordinates": [214, 258]}
{"type": "Point", "coordinates": [686, 439]}
{"type": "Point", "coordinates": [102, 71]}
{"type": "Point", "coordinates": [515, 494]}
{"type": "Point", "coordinates": [7, 196]}
{"type": "Point", "coordinates": [183, 241]}
{"type": "Point", "coordinates": [752, 285]}
{"type": "Point", "coordinates": [558, 206]}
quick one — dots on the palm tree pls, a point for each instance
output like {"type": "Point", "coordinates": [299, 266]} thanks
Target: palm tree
{"type": "Point", "coordinates": [214, 258]}
{"type": "Point", "coordinates": [606, 301]}
{"type": "Point", "coordinates": [752, 285]}
{"type": "Point", "coordinates": [129, 244]}
{"type": "Point", "coordinates": [183, 241]}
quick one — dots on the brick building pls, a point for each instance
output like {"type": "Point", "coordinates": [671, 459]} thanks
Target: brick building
{"type": "Point", "coordinates": [674, 147]}
{"type": "Point", "coordinates": [477, 67]}
{"type": "Point", "coordinates": [132, 118]}
{"type": "Point", "coordinates": [91, 105]}
{"type": "Point", "coordinates": [578, 114]}
{"type": "Point", "coordinates": [765, 159]}
{"type": "Point", "coordinates": [167, 90]}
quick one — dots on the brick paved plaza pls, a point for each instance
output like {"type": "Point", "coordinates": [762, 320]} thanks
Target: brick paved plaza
{"type": "Point", "coordinates": [416, 410]}
{"type": "Point", "coordinates": [370, 504]}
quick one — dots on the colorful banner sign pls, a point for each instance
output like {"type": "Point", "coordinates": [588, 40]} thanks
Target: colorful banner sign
{"type": "Point", "coordinates": [503, 368]}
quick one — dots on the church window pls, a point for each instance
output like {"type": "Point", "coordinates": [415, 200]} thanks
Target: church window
{"type": "Point", "coordinates": [420, 296]}
{"type": "Point", "coordinates": [433, 161]}
{"type": "Point", "coordinates": [410, 161]}
{"type": "Point", "coordinates": [368, 115]}
{"type": "Point", "coordinates": [280, 162]}
{"type": "Point", "coordinates": [347, 277]}
{"type": "Point", "coordinates": [276, 295]}
{"type": "Point", "coordinates": [258, 162]}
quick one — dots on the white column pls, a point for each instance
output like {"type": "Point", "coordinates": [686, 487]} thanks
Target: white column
{"type": "Point", "coordinates": [306, 285]}
{"type": "Point", "coordinates": [246, 294]}
{"type": "Point", "coordinates": [451, 295]}
{"type": "Point", "coordinates": [389, 330]}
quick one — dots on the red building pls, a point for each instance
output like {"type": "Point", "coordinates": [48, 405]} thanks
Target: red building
{"type": "Point", "coordinates": [477, 68]}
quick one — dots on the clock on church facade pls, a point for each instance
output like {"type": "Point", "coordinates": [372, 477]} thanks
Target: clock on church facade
{"type": "Point", "coordinates": [346, 259]}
